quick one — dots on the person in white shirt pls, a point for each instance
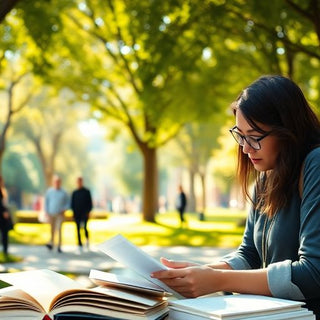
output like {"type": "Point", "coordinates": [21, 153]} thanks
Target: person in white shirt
{"type": "Point", "coordinates": [56, 203]}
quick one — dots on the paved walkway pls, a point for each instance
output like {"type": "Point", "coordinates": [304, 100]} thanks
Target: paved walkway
{"type": "Point", "coordinates": [73, 261]}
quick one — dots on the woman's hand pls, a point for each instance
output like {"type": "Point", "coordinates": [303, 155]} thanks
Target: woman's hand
{"type": "Point", "coordinates": [192, 280]}
{"type": "Point", "coordinates": [189, 279]}
{"type": "Point", "coordinates": [177, 264]}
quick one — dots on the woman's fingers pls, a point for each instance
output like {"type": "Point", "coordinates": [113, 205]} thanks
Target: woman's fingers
{"type": "Point", "coordinates": [175, 264]}
{"type": "Point", "coordinates": [168, 274]}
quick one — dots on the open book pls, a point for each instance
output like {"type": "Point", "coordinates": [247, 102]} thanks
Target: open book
{"type": "Point", "coordinates": [38, 293]}
{"type": "Point", "coordinates": [135, 259]}
{"type": "Point", "coordinates": [238, 306]}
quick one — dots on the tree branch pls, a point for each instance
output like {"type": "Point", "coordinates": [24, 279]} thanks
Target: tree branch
{"type": "Point", "coordinates": [5, 7]}
{"type": "Point", "coordinates": [295, 47]}
{"type": "Point", "coordinates": [125, 61]}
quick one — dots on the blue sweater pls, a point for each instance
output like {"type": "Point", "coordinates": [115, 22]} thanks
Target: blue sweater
{"type": "Point", "coordinates": [293, 242]}
{"type": "Point", "coordinates": [56, 201]}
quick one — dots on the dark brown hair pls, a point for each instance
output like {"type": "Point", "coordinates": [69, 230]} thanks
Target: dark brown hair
{"type": "Point", "coordinates": [279, 103]}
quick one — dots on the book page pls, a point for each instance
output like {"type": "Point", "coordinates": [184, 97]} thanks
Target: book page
{"type": "Point", "coordinates": [43, 285]}
{"type": "Point", "coordinates": [138, 284]}
{"type": "Point", "coordinates": [134, 258]}
{"type": "Point", "coordinates": [153, 314]}
{"type": "Point", "coordinates": [12, 296]}
{"type": "Point", "coordinates": [133, 299]}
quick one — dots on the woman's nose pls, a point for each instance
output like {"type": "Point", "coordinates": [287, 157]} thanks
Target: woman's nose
{"type": "Point", "coordinates": [246, 148]}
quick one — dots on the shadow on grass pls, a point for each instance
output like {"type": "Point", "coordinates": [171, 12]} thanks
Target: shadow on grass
{"type": "Point", "coordinates": [9, 258]}
{"type": "Point", "coordinates": [213, 232]}
{"type": "Point", "coordinates": [182, 237]}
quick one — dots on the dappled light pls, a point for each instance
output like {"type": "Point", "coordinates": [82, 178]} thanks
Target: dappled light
{"type": "Point", "coordinates": [70, 260]}
{"type": "Point", "coordinates": [216, 227]}
{"type": "Point", "coordinates": [214, 231]}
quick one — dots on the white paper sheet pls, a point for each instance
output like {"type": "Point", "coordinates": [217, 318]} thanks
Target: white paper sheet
{"type": "Point", "coordinates": [134, 258]}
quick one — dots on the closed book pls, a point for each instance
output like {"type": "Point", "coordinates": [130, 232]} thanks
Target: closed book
{"type": "Point", "coordinates": [238, 306]}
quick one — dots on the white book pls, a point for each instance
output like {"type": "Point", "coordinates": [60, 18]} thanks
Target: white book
{"type": "Point", "coordinates": [302, 314]}
{"type": "Point", "coordinates": [129, 255]}
{"type": "Point", "coordinates": [238, 306]}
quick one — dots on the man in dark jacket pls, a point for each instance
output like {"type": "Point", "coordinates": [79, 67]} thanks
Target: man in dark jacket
{"type": "Point", "coordinates": [81, 205]}
{"type": "Point", "coordinates": [181, 203]}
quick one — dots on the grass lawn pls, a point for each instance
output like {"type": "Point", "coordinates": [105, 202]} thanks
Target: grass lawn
{"type": "Point", "coordinates": [220, 229]}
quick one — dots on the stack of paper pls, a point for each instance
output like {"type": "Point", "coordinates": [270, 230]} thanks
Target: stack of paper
{"type": "Point", "coordinates": [239, 306]}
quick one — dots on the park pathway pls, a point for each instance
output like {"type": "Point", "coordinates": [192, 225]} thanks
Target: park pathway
{"type": "Point", "coordinates": [71, 260]}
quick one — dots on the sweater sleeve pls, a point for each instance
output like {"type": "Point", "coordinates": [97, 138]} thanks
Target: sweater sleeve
{"type": "Point", "coordinates": [305, 272]}
{"type": "Point", "coordinates": [300, 279]}
{"type": "Point", "coordinates": [279, 281]}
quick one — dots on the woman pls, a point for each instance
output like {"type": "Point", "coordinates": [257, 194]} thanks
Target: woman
{"type": "Point", "coordinates": [279, 138]}
{"type": "Point", "coordinates": [4, 218]}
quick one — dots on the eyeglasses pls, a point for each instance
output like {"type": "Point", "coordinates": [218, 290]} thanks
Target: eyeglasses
{"type": "Point", "coordinates": [253, 142]}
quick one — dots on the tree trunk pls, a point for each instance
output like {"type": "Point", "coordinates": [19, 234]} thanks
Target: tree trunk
{"type": "Point", "coordinates": [191, 204]}
{"type": "Point", "coordinates": [150, 184]}
{"type": "Point", "coordinates": [46, 166]}
{"type": "Point", "coordinates": [203, 187]}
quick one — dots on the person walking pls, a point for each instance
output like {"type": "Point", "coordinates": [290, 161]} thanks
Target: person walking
{"type": "Point", "coordinates": [278, 136]}
{"type": "Point", "coordinates": [55, 204]}
{"type": "Point", "coordinates": [5, 218]}
{"type": "Point", "coordinates": [181, 203]}
{"type": "Point", "coordinates": [81, 205]}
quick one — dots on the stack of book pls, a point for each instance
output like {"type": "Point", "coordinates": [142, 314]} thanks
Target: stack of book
{"type": "Point", "coordinates": [236, 307]}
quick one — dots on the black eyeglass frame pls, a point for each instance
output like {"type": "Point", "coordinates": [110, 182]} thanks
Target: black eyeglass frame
{"type": "Point", "coordinates": [245, 138]}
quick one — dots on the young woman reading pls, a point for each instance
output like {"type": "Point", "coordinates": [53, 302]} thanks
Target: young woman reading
{"type": "Point", "coordinates": [279, 150]}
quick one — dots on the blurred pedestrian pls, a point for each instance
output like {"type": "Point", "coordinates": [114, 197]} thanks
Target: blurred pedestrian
{"type": "Point", "coordinates": [5, 218]}
{"type": "Point", "coordinates": [81, 205]}
{"type": "Point", "coordinates": [56, 203]}
{"type": "Point", "coordinates": [181, 203]}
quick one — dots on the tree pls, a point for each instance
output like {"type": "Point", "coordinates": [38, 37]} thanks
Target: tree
{"type": "Point", "coordinates": [138, 71]}
{"type": "Point", "coordinates": [142, 63]}
{"type": "Point", "coordinates": [17, 84]}
{"type": "Point", "coordinates": [284, 41]}
{"type": "Point", "coordinates": [20, 167]}
{"type": "Point", "coordinates": [13, 108]}
{"type": "Point", "coordinates": [47, 124]}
